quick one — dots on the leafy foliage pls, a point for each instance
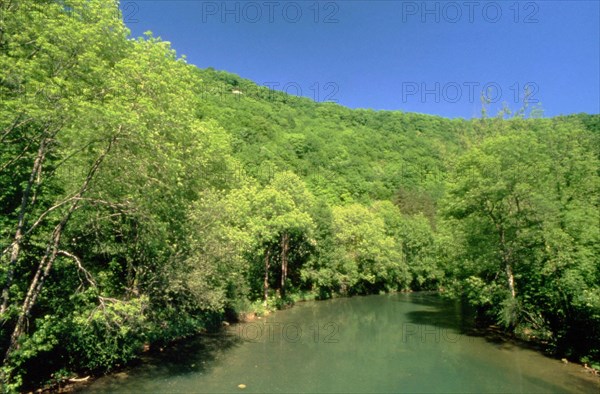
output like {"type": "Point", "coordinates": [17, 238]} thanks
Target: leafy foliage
{"type": "Point", "coordinates": [142, 200]}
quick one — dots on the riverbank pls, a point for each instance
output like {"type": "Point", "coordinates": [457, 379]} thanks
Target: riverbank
{"type": "Point", "coordinates": [255, 312]}
{"type": "Point", "coordinates": [495, 334]}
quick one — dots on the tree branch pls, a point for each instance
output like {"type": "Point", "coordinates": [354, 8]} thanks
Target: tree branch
{"type": "Point", "coordinates": [87, 274]}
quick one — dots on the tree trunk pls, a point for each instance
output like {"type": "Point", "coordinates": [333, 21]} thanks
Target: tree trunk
{"type": "Point", "coordinates": [511, 279]}
{"type": "Point", "coordinates": [18, 238]}
{"type": "Point", "coordinates": [36, 286]}
{"type": "Point", "coordinates": [285, 240]}
{"type": "Point", "coordinates": [266, 282]}
{"type": "Point", "coordinates": [506, 256]}
{"type": "Point", "coordinates": [48, 259]}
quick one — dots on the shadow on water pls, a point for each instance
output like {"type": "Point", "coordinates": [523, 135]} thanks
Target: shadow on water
{"type": "Point", "coordinates": [460, 316]}
{"type": "Point", "coordinates": [196, 355]}
{"type": "Point", "coordinates": [441, 313]}
{"type": "Point", "coordinates": [193, 355]}
{"type": "Point", "coordinates": [454, 315]}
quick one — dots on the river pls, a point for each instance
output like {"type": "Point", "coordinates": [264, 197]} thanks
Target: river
{"type": "Point", "coordinates": [396, 343]}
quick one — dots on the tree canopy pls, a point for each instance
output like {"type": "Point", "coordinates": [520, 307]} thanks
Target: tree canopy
{"type": "Point", "coordinates": [142, 200]}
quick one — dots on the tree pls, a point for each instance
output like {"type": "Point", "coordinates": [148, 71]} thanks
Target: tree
{"type": "Point", "coordinates": [103, 136]}
{"type": "Point", "coordinates": [371, 259]}
{"type": "Point", "coordinates": [52, 81]}
{"type": "Point", "coordinates": [523, 207]}
{"type": "Point", "coordinates": [282, 214]}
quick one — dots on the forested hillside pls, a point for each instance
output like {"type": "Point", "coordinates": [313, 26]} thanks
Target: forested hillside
{"type": "Point", "coordinates": [143, 199]}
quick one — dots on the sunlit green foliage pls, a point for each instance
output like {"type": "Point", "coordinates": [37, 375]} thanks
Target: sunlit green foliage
{"type": "Point", "coordinates": [523, 206]}
{"type": "Point", "coordinates": [142, 200]}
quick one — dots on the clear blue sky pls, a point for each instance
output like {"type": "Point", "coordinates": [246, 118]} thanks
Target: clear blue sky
{"type": "Point", "coordinates": [431, 57]}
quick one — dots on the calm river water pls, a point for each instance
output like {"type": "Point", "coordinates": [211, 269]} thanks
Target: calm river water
{"type": "Point", "coordinates": [399, 343]}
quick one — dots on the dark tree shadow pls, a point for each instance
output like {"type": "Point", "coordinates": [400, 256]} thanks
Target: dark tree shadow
{"type": "Point", "coordinates": [187, 356]}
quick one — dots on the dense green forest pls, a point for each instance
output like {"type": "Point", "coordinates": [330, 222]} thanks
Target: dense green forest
{"type": "Point", "coordinates": [143, 199]}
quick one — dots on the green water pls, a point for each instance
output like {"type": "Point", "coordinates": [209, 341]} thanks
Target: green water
{"type": "Point", "coordinates": [388, 343]}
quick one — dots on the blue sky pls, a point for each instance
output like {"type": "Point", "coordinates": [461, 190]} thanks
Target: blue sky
{"type": "Point", "coordinates": [434, 57]}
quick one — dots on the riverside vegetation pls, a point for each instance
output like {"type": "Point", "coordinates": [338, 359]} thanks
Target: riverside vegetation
{"type": "Point", "coordinates": [143, 199]}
